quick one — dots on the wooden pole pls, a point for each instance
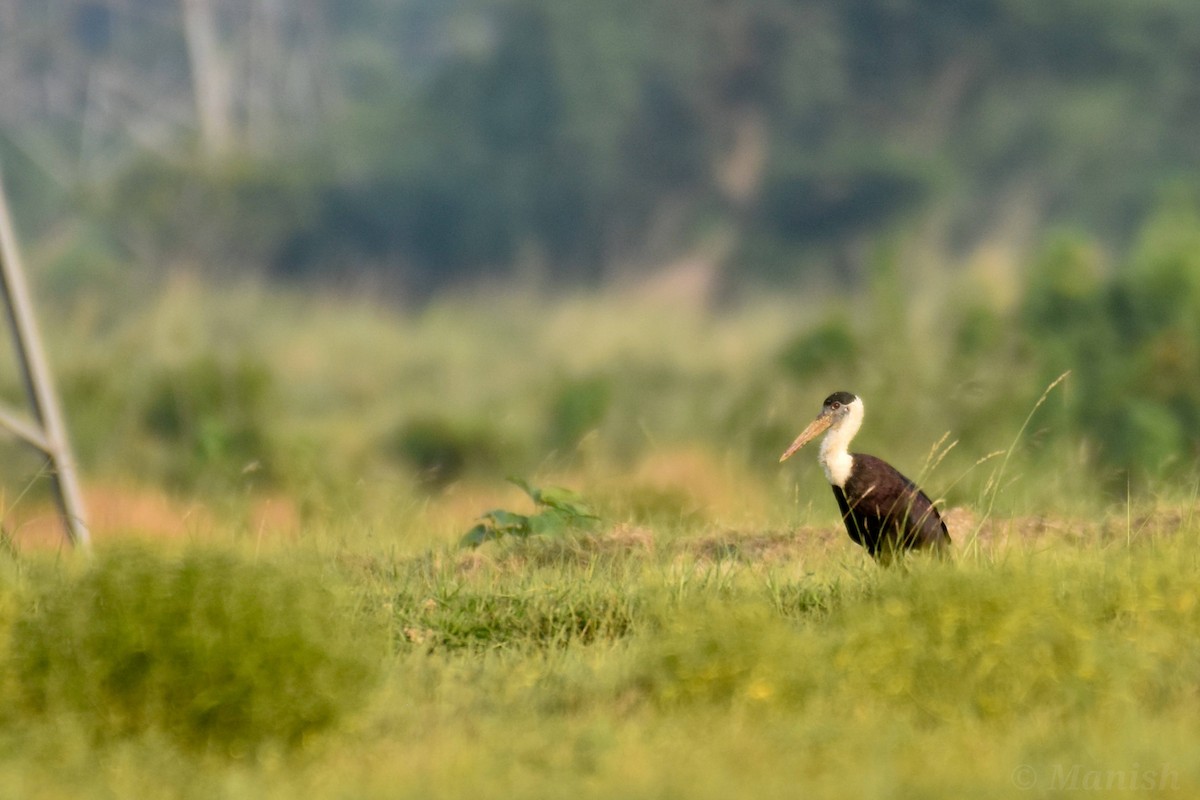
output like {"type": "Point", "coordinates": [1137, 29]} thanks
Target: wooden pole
{"type": "Point", "coordinates": [48, 433]}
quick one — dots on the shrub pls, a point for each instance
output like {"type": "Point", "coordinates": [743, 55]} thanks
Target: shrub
{"type": "Point", "coordinates": [217, 653]}
{"type": "Point", "coordinates": [813, 352]}
{"type": "Point", "coordinates": [441, 451]}
{"type": "Point", "coordinates": [578, 408]}
{"type": "Point", "coordinates": [212, 415]}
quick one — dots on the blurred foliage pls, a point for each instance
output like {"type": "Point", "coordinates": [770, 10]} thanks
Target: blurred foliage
{"type": "Point", "coordinates": [812, 352]}
{"type": "Point", "coordinates": [577, 409]}
{"type": "Point", "coordinates": [1132, 340]}
{"type": "Point", "coordinates": [428, 144]}
{"type": "Point", "coordinates": [229, 217]}
{"type": "Point", "coordinates": [441, 451]}
{"type": "Point", "coordinates": [220, 654]}
{"type": "Point", "coordinates": [474, 389]}
{"type": "Point", "coordinates": [210, 418]}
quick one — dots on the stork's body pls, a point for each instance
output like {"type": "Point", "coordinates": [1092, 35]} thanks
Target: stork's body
{"type": "Point", "coordinates": [884, 511]}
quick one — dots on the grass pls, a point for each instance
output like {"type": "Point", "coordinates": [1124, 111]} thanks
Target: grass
{"type": "Point", "coordinates": [943, 680]}
{"type": "Point", "coordinates": [211, 651]}
{"type": "Point", "coordinates": [699, 665]}
{"type": "Point", "coordinates": [713, 634]}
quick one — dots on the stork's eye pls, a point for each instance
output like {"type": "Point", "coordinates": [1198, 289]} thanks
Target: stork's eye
{"type": "Point", "coordinates": [835, 405]}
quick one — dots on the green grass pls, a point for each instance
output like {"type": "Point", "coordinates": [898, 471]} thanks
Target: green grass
{"type": "Point", "coordinates": [602, 667]}
{"type": "Point", "coordinates": [214, 652]}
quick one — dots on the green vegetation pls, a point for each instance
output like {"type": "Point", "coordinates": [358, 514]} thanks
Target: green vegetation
{"type": "Point", "coordinates": [233, 391]}
{"type": "Point", "coordinates": [559, 511]}
{"type": "Point", "coordinates": [605, 666]}
{"type": "Point", "coordinates": [701, 627]}
{"type": "Point", "coordinates": [215, 652]}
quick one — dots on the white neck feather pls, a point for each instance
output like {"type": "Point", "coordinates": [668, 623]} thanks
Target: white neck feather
{"type": "Point", "coordinates": [835, 447]}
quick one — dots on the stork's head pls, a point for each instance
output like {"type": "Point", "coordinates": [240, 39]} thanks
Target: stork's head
{"type": "Point", "coordinates": [841, 412]}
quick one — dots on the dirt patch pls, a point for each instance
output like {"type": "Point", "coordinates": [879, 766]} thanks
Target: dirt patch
{"type": "Point", "coordinates": [118, 511]}
{"type": "Point", "coordinates": [966, 531]}
{"type": "Point", "coordinates": [763, 547]}
{"type": "Point", "coordinates": [994, 533]}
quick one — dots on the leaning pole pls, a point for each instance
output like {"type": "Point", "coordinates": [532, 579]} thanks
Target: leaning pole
{"type": "Point", "coordinates": [47, 431]}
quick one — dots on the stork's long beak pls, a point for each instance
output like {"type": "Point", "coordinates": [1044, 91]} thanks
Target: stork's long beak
{"type": "Point", "coordinates": [814, 429]}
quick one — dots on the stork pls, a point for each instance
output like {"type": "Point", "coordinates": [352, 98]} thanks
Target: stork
{"type": "Point", "coordinates": [884, 511]}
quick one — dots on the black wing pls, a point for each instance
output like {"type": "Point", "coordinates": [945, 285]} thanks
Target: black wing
{"type": "Point", "coordinates": [886, 511]}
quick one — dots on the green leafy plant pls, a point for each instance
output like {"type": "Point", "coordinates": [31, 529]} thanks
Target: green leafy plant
{"type": "Point", "coordinates": [558, 510]}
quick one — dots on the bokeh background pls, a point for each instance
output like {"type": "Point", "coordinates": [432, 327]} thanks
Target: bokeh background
{"type": "Point", "coordinates": [327, 257]}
